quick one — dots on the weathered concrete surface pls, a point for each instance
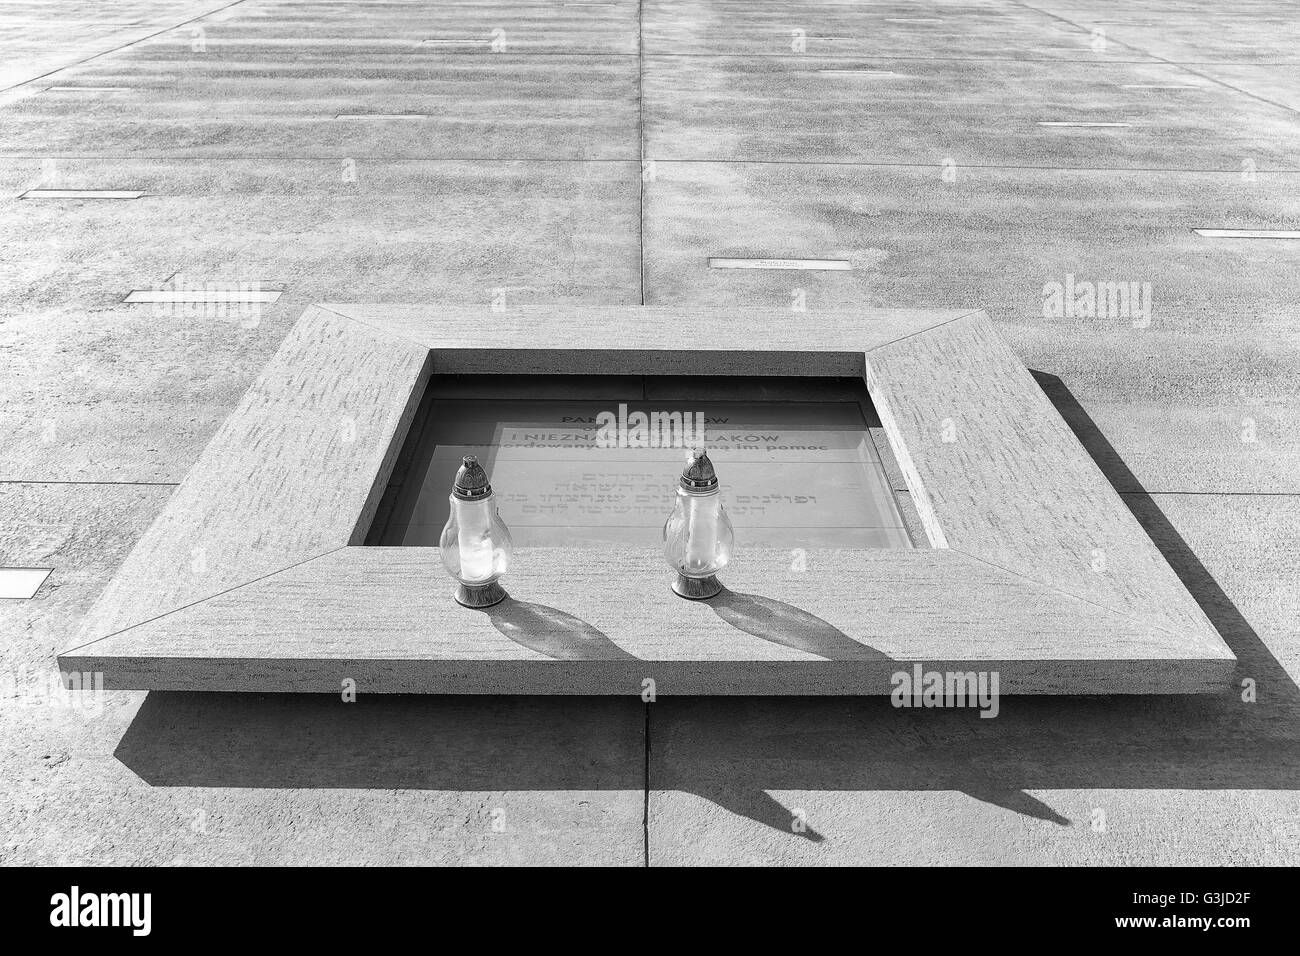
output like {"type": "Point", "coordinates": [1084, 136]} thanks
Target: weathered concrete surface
{"type": "Point", "coordinates": [1212, 410]}
{"type": "Point", "coordinates": [1276, 84]}
{"type": "Point", "coordinates": [246, 181]}
{"type": "Point", "coordinates": [1173, 397]}
{"type": "Point", "coordinates": [98, 390]}
{"type": "Point", "coordinates": [83, 532]}
{"type": "Point", "coordinates": [992, 236]}
{"type": "Point", "coordinates": [224, 103]}
{"type": "Point", "coordinates": [569, 26]}
{"type": "Point", "coordinates": [36, 44]}
{"type": "Point", "coordinates": [1187, 32]}
{"type": "Point", "coordinates": [1206, 781]}
{"type": "Point", "coordinates": [460, 230]}
{"type": "Point", "coordinates": [987, 31]}
{"type": "Point", "coordinates": [874, 109]}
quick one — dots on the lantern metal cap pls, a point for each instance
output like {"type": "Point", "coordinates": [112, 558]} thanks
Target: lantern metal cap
{"type": "Point", "coordinates": [698, 475]}
{"type": "Point", "coordinates": [471, 481]}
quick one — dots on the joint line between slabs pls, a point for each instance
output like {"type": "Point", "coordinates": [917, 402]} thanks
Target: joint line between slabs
{"type": "Point", "coordinates": [42, 481]}
{"type": "Point", "coordinates": [631, 161]}
{"type": "Point", "coordinates": [645, 811]}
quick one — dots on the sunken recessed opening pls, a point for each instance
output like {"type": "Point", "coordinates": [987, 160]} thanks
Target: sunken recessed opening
{"type": "Point", "coordinates": [593, 461]}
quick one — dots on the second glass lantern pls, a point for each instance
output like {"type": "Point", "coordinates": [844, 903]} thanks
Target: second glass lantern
{"type": "Point", "coordinates": [698, 536]}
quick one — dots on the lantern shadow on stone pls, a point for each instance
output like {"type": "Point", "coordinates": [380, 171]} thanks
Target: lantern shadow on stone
{"type": "Point", "coordinates": [553, 632]}
{"type": "Point", "coordinates": [790, 626]}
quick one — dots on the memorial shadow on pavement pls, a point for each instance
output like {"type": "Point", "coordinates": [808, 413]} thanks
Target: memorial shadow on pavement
{"type": "Point", "coordinates": [735, 751]}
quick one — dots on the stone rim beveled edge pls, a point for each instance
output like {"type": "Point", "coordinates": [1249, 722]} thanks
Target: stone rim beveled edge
{"type": "Point", "coordinates": [977, 315]}
{"type": "Point", "coordinates": [1149, 614]}
{"type": "Point", "coordinates": [68, 652]}
{"type": "Point", "coordinates": [312, 312]}
{"type": "Point", "coordinates": [1069, 604]}
{"type": "Point", "coordinates": [926, 320]}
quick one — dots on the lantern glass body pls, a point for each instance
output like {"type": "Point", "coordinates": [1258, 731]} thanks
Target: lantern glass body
{"type": "Point", "coordinates": [698, 537]}
{"type": "Point", "coordinates": [475, 543]}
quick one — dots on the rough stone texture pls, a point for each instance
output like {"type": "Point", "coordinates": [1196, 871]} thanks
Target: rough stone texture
{"type": "Point", "coordinates": [99, 392]}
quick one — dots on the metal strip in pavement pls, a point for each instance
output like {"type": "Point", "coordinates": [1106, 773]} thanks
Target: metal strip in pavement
{"type": "Point", "coordinates": [21, 584]}
{"type": "Point", "coordinates": [381, 116]}
{"type": "Point", "coordinates": [214, 296]}
{"type": "Point", "coordinates": [1248, 233]}
{"type": "Point", "coordinates": [832, 265]}
{"type": "Point", "coordinates": [82, 194]}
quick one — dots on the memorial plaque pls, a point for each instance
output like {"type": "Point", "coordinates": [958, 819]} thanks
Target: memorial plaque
{"type": "Point", "coordinates": [794, 474]}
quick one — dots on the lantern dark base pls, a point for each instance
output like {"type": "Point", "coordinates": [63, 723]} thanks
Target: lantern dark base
{"type": "Point", "coordinates": [480, 595]}
{"type": "Point", "coordinates": [697, 589]}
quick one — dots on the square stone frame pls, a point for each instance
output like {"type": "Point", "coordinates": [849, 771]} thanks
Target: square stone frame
{"type": "Point", "coordinates": [255, 578]}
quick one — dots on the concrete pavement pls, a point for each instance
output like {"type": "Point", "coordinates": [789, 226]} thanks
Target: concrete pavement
{"type": "Point", "coordinates": [600, 154]}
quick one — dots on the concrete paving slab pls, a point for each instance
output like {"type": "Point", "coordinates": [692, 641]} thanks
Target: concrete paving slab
{"type": "Point", "coordinates": [813, 109]}
{"type": "Point", "coordinates": [1275, 84]}
{"type": "Point", "coordinates": [1100, 781]}
{"type": "Point", "coordinates": [99, 778]}
{"type": "Point", "coordinates": [900, 29]}
{"type": "Point", "coordinates": [204, 780]}
{"type": "Point", "coordinates": [506, 106]}
{"type": "Point", "coordinates": [1262, 32]}
{"type": "Point", "coordinates": [496, 26]}
{"type": "Point", "coordinates": [100, 390]}
{"type": "Point", "coordinates": [993, 238]}
{"type": "Point", "coordinates": [81, 533]}
{"type": "Point", "coordinates": [1117, 11]}
{"type": "Point", "coordinates": [328, 229]}
{"type": "Point", "coordinates": [1171, 785]}
{"type": "Point", "coordinates": [998, 239]}
{"type": "Point", "coordinates": [1237, 551]}
{"type": "Point", "coordinates": [1198, 411]}
{"type": "Point", "coordinates": [120, 394]}
{"type": "Point", "coordinates": [36, 43]}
